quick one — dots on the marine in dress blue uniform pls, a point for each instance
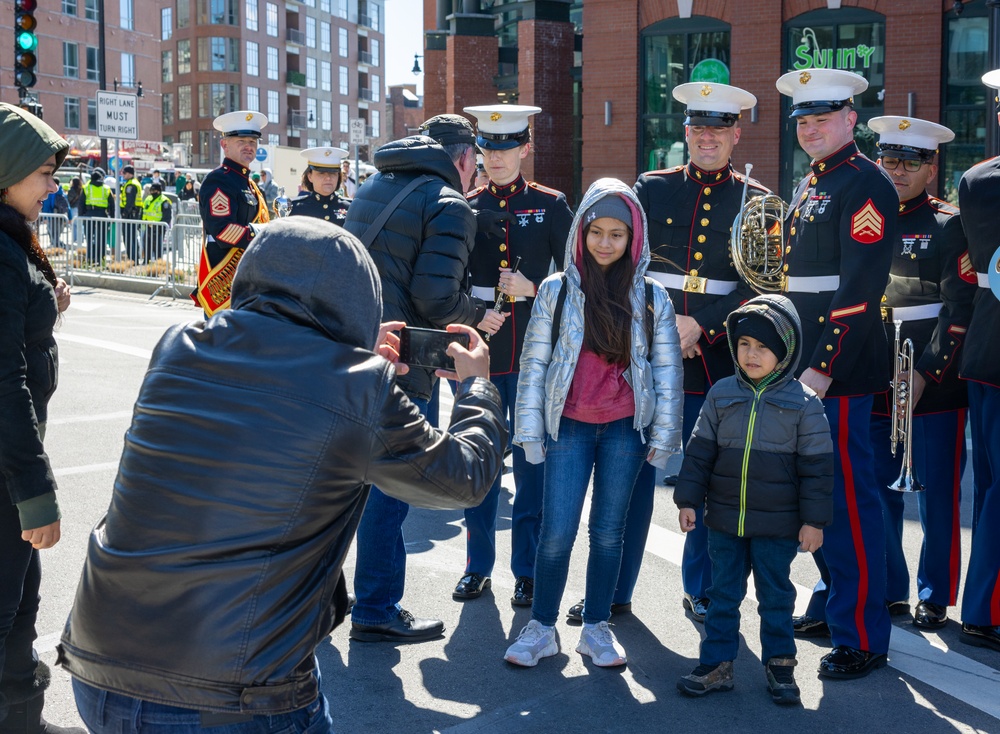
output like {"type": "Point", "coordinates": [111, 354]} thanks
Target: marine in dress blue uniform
{"type": "Point", "coordinates": [979, 198]}
{"type": "Point", "coordinates": [841, 228]}
{"type": "Point", "coordinates": [515, 219]}
{"type": "Point", "coordinates": [321, 180]}
{"type": "Point", "coordinates": [929, 295]}
{"type": "Point", "coordinates": [231, 208]}
{"type": "Point", "coordinates": [691, 209]}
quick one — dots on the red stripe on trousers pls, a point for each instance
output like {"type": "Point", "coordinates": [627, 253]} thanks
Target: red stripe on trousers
{"type": "Point", "coordinates": [843, 439]}
{"type": "Point", "coordinates": [955, 557]}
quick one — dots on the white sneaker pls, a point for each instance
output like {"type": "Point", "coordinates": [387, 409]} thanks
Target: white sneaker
{"type": "Point", "coordinates": [535, 642]}
{"type": "Point", "coordinates": [600, 644]}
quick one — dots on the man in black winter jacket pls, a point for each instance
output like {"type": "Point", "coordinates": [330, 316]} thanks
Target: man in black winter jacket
{"type": "Point", "coordinates": [422, 255]}
{"type": "Point", "coordinates": [216, 572]}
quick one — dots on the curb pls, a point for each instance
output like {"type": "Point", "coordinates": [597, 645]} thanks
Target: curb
{"type": "Point", "coordinates": [128, 284]}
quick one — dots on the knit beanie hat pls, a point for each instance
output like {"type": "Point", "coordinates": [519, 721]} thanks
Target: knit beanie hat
{"type": "Point", "coordinates": [27, 143]}
{"type": "Point", "coordinates": [763, 330]}
{"type": "Point", "coordinates": [612, 206]}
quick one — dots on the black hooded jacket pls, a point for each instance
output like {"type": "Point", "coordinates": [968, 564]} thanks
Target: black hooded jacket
{"type": "Point", "coordinates": [217, 569]}
{"type": "Point", "coordinates": [422, 253]}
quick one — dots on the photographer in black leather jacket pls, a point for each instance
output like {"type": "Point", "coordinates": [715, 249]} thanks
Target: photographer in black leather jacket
{"type": "Point", "coordinates": [217, 570]}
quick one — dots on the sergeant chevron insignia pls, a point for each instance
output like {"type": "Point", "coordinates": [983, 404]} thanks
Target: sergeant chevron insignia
{"type": "Point", "coordinates": [867, 224]}
{"type": "Point", "coordinates": [219, 204]}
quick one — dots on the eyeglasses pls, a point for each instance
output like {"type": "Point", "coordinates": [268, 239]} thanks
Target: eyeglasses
{"type": "Point", "coordinates": [910, 166]}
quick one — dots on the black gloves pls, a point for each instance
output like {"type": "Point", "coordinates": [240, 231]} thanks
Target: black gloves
{"type": "Point", "coordinates": [491, 223]}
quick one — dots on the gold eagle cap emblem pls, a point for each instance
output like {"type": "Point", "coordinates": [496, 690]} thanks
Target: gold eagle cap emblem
{"type": "Point", "coordinates": [904, 125]}
{"type": "Point", "coordinates": [804, 77]}
{"type": "Point", "coordinates": [495, 116]}
{"type": "Point", "coordinates": [705, 90]}
{"type": "Point", "coordinates": [326, 153]}
{"type": "Point", "coordinates": [249, 116]}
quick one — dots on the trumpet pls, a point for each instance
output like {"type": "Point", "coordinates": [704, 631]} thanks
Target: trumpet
{"type": "Point", "coordinates": [902, 415]}
{"type": "Point", "coordinates": [282, 207]}
{"type": "Point", "coordinates": [757, 240]}
{"type": "Point", "coordinates": [503, 297]}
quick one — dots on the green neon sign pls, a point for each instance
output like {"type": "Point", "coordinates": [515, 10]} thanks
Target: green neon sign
{"type": "Point", "coordinates": [809, 55]}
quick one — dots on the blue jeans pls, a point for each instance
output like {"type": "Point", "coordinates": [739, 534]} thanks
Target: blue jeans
{"type": "Point", "coordinates": [733, 558]}
{"type": "Point", "coordinates": [104, 712]}
{"type": "Point", "coordinates": [614, 452]}
{"type": "Point", "coordinates": [380, 573]}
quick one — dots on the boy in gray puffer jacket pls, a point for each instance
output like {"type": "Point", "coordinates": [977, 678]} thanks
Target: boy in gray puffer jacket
{"type": "Point", "coordinates": [761, 459]}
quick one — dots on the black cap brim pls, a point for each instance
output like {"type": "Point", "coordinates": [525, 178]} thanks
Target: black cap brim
{"type": "Point", "coordinates": [706, 118]}
{"type": "Point", "coordinates": [242, 134]}
{"type": "Point", "coordinates": [820, 107]}
{"type": "Point", "coordinates": [906, 152]}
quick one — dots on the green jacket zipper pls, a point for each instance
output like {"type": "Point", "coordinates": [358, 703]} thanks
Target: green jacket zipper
{"type": "Point", "coordinates": [746, 463]}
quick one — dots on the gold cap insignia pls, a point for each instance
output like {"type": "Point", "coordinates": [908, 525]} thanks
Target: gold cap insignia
{"type": "Point", "coordinates": [904, 124]}
{"type": "Point", "coordinates": [706, 90]}
{"type": "Point", "coordinates": [326, 153]}
{"type": "Point", "coordinates": [804, 77]}
{"type": "Point", "coordinates": [495, 116]}
{"type": "Point", "coordinates": [249, 116]}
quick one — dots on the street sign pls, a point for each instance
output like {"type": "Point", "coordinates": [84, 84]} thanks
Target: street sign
{"type": "Point", "coordinates": [117, 116]}
{"type": "Point", "coordinates": [262, 154]}
{"type": "Point", "coordinates": [358, 136]}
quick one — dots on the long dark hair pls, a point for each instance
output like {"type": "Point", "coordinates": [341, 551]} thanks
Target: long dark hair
{"type": "Point", "coordinates": [607, 309]}
{"type": "Point", "coordinates": [15, 226]}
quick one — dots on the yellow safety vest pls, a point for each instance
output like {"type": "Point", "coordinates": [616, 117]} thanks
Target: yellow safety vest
{"type": "Point", "coordinates": [96, 196]}
{"type": "Point", "coordinates": [152, 209]}
{"type": "Point", "coordinates": [138, 192]}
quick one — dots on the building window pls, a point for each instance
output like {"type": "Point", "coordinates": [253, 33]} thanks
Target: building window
{"type": "Point", "coordinates": [90, 13]}
{"type": "Point", "coordinates": [252, 8]}
{"type": "Point", "coordinates": [344, 86]}
{"type": "Point", "coordinates": [273, 114]}
{"type": "Point", "coordinates": [204, 145]}
{"type": "Point", "coordinates": [271, 19]}
{"type": "Point", "coordinates": [253, 58]}
{"type": "Point", "coordinates": [310, 73]}
{"type": "Point", "coordinates": [342, 45]}
{"type": "Point", "coordinates": [184, 102]}
{"type": "Point", "coordinates": [326, 115]}
{"type": "Point", "coordinates": [311, 142]}
{"type": "Point", "coordinates": [218, 54]}
{"type": "Point", "coordinates": [324, 36]}
{"type": "Point", "coordinates": [91, 114]}
{"type": "Point", "coordinates": [127, 13]}
{"type": "Point", "coordinates": [71, 60]}
{"type": "Point", "coordinates": [71, 113]}
{"type": "Point", "coordinates": [376, 88]}
{"type": "Point", "coordinates": [325, 76]}
{"type": "Point", "coordinates": [373, 46]}
{"type": "Point", "coordinates": [166, 23]}
{"type": "Point", "coordinates": [128, 70]}
{"type": "Point", "coordinates": [216, 99]}
{"type": "Point", "coordinates": [167, 63]}
{"type": "Point", "coordinates": [218, 12]}
{"type": "Point", "coordinates": [376, 124]}
{"type": "Point", "coordinates": [273, 139]}
{"type": "Point", "coordinates": [185, 138]}
{"type": "Point", "coordinates": [368, 15]}
{"type": "Point", "coordinates": [168, 108]}
{"type": "Point", "coordinates": [184, 57]}
{"type": "Point", "coordinates": [324, 6]}
{"type": "Point", "coordinates": [183, 13]}
{"type": "Point", "coordinates": [272, 62]}
{"type": "Point", "coordinates": [342, 9]}
{"type": "Point", "coordinates": [93, 64]}
{"type": "Point", "coordinates": [69, 7]}
{"type": "Point", "coordinates": [311, 112]}
{"type": "Point", "coordinates": [345, 119]}
{"type": "Point", "coordinates": [253, 99]}
{"type": "Point", "coordinates": [310, 31]}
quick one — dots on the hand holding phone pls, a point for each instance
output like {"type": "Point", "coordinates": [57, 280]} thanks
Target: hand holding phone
{"type": "Point", "coordinates": [456, 353]}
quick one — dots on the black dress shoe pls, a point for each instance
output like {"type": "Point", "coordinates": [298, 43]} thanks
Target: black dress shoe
{"type": "Point", "coordinates": [847, 663]}
{"type": "Point", "coordinates": [575, 613]}
{"type": "Point", "coordinates": [898, 608]}
{"type": "Point", "coordinates": [696, 607]}
{"type": "Point", "coordinates": [980, 635]}
{"type": "Point", "coordinates": [930, 616]}
{"type": "Point", "coordinates": [524, 592]}
{"type": "Point", "coordinates": [806, 626]}
{"type": "Point", "coordinates": [471, 586]}
{"type": "Point", "coordinates": [404, 628]}
{"type": "Point", "coordinates": [670, 480]}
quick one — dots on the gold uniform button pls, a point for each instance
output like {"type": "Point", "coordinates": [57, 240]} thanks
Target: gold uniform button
{"type": "Point", "coordinates": [836, 331]}
{"type": "Point", "coordinates": [797, 213]}
{"type": "Point", "coordinates": [693, 273]}
{"type": "Point", "coordinates": [326, 206]}
{"type": "Point", "coordinates": [792, 230]}
{"type": "Point", "coordinates": [503, 248]}
{"type": "Point", "coordinates": [707, 191]}
{"type": "Point", "coordinates": [944, 356]}
{"type": "Point", "coordinates": [823, 365]}
{"type": "Point", "coordinates": [698, 256]}
{"type": "Point", "coordinates": [327, 217]}
{"type": "Point", "coordinates": [784, 268]}
{"type": "Point", "coordinates": [811, 217]}
{"type": "Point", "coordinates": [829, 347]}
{"type": "Point", "coordinates": [814, 180]}
{"type": "Point", "coordinates": [704, 222]}
{"type": "Point", "coordinates": [670, 220]}
{"type": "Point", "coordinates": [788, 249]}
{"type": "Point", "coordinates": [913, 256]}
{"type": "Point", "coordinates": [951, 344]}
{"type": "Point", "coordinates": [503, 263]}
{"type": "Point", "coordinates": [822, 319]}
{"type": "Point", "coordinates": [702, 238]}
{"type": "Point", "coordinates": [937, 372]}
{"type": "Point", "coordinates": [503, 204]}
{"type": "Point", "coordinates": [706, 206]}
{"type": "Point", "coordinates": [711, 332]}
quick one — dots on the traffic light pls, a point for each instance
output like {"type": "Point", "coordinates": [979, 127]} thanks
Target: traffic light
{"type": "Point", "coordinates": [25, 43]}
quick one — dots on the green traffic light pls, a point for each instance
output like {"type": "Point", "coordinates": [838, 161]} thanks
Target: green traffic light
{"type": "Point", "coordinates": [27, 41]}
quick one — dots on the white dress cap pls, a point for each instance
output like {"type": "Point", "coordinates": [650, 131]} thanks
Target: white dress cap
{"type": "Point", "coordinates": [324, 156]}
{"type": "Point", "coordinates": [814, 91]}
{"type": "Point", "coordinates": [909, 132]}
{"type": "Point", "coordinates": [502, 126]}
{"type": "Point", "coordinates": [241, 124]}
{"type": "Point", "coordinates": [714, 104]}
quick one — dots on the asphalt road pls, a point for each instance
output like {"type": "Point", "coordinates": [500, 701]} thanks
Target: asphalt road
{"type": "Point", "coordinates": [460, 683]}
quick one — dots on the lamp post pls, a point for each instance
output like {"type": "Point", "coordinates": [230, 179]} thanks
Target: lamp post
{"type": "Point", "coordinates": [417, 71]}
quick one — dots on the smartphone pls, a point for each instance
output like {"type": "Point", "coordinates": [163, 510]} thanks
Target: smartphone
{"type": "Point", "coordinates": [428, 347]}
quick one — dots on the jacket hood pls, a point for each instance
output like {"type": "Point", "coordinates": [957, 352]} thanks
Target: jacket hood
{"type": "Point", "coordinates": [597, 191]}
{"type": "Point", "coordinates": [313, 273]}
{"type": "Point", "coordinates": [417, 154]}
{"type": "Point", "coordinates": [782, 314]}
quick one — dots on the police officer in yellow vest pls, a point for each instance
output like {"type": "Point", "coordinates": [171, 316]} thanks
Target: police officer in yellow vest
{"type": "Point", "coordinates": [131, 208]}
{"type": "Point", "coordinates": [96, 201]}
{"type": "Point", "coordinates": [155, 208]}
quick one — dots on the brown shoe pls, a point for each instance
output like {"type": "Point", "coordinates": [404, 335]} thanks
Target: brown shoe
{"type": "Point", "coordinates": [707, 678]}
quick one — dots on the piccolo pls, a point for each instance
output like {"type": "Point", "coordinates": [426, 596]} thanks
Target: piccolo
{"type": "Point", "coordinates": [498, 306]}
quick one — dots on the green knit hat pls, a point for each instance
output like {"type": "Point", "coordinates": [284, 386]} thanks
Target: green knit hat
{"type": "Point", "coordinates": [27, 143]}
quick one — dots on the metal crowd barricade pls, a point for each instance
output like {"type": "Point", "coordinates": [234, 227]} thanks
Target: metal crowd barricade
{"type": "Point", "coordinates": [56, 239]}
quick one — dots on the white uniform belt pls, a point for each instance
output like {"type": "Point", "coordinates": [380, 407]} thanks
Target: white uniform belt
{"type": "Point", "coordinates": [694, 284]}
{"type": "Point", "coordinates": [984, 280]}
{"type": "Point", "coordinates": [913, 313]}
{"type": "Point", "coordinates": [811, 284]}
{"type": "Point", "coordinates": [490, 294]}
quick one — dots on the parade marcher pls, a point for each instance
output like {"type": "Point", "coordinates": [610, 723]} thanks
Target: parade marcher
{"type": "Point", "coordinates": [216, 573]}
{"type": "Point", "coordinates": [978, 197]}
{"type": "Point", "coordinates": [231, 207]}
{"type": "Point", "coordinates": [422, 255]}
{"type": "Point", "coordinates": [347, 183]}
{"type": "Point", "coordinates": [841, 229]}
{"type": "Point", "coordinates": [130, 203]}
{"type": "Point", "coordinates": [600, 394]}
{"type": "Point", "coordinates": [155, 208]}
{"type": "Point", "coordinates": [96, 202]}
{"type": "Point", "coordinates": [691, 210]}
{"type": "Point", "coordinates": [31, 299]}
{"type": "Point", "coordinates": [524, 222]}
{"type": "Point", "coordinates": [930, 292]}
{"type": "Point", "coordinates": [321, 179]}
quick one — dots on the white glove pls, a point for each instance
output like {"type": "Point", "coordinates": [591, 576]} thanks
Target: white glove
{"type": "Point", "coordinates": [658, 458]}
{"type": "Point", "coordinates": [534, 451]}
